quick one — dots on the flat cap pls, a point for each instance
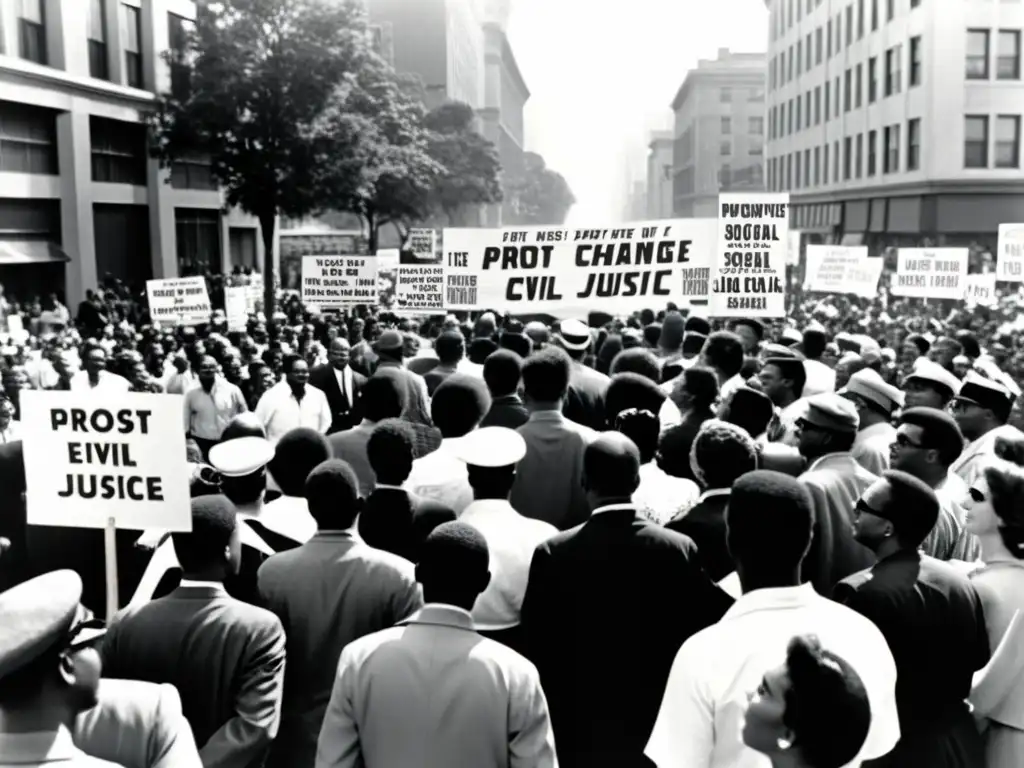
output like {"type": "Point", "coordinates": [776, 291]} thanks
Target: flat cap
{"type": "Point", "coordinates": [574, 334]}
{"type": "Point", "coordinates": [867, 383]}
{"type": "Point", "coordinates": [37, 615]}
{"type": "Point", "coordinates": [241, 456]}
{"type": "Point", "coordinates": [927, 371]}
{"type": "Point", "coordinates": [832, 412]}
{"type": "Point", "coordinates": [985, 393]}
{"type": "Point", "coordinates": [490, 447]}
{"type": "Point", "coordinates": [390, 341]}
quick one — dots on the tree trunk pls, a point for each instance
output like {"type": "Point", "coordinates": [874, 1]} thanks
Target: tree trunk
{"type": "Point", "coordinates": [268, 220]}
{"type": "Point", "coordinates": [372, 233]}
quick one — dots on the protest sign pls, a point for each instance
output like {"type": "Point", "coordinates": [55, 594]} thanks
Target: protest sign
{"type": "Point", "coordinates": [419, 283]}
{"type": "Point", "coordinates": [930, 273]}
{"type": "Point", "coordinates": [236, 307]}
{"type": "Point", "coordinates": [748, 276]}
{"type": "Point", "coordinates": [1010, 256]}
{"type": "Point", "coordinates": [179, 301]}
{"type": "Point", "coordinates": [254, 294]}
{"type": "Point", "coordinates": [91, 457]}
{"type": "Point", "coordinates": [558, 270]}
{"type": "Point", "coordinates": [843, 269]}
{"type": "Point", "coordinates": [420, 247]}
{"type": "Point", "coordinates": [336, 282]}
{"type": "Point", "coordinates": [980, 290]}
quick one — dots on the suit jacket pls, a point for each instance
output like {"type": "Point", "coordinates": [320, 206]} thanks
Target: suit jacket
{"type": "Point", "coordinates": [584, 403]}
{"type": "Point", "coordinates": [617, 584]}
{"type": "Point", "coordinates": [705, 525]}
{"type": "Point", "coordinates": [225, 657]}
{"type": "Point", "coordinates": [835, 482]}
{"type": "Point", "coordinates": [417, 399]}
{"type": "Point", "coordinates": [397, 521]}
{"type": "Point", "coordinates": [506, 411]}
{"type": "Point", "coordinates": [433, 692]}
{"type": "Point", "coordinates": [344, 409]}
{"type": "Point", "coordinates": [932, 619]}
{"type": "Point", "coordinates": [137, 725]}
{"type": "Point", "coordinates": [328, 592]}
{"type": "Point", "coordinates": [350, 446]}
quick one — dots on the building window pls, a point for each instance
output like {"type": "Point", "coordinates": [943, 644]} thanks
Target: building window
{"type": "Point", "coordinates": [914, 144]}
{"type": "Point", "coordinates": [836, 112]}
{"type": "Point", "coordinates": [858, 87]}
{"type": "Point", "coordinates": [98, 40]}
{"type": "Point", "coordinates": [807, 167]}
{"type": "Point", "coordinates": [807, 110]}
{"type": "Point", "coordinates": [789, 172]}
{"type": "Point", "coordinates": [849, 25]}
{"type": "Point", "coordinates": [782, 67]}
{"type": "Point", "coordinates": [799, 57]}
{"type": "Point", "coordinates": [848, 90]}
{"type": "Point", "coordinates": [726, 125]}
{"type": "Point", "coordinates": [874, 15]}
{"type": "Point", "coordinates": [860, 19]}
{"type": "Point", "coordinates": [756, 149]}
{"type": "Point", "coordinates": [858, 165]}
{"type": "Point", "coordinates": [892, 149]}
{"type": "Point", "coordinates": [131, 38]}
{"type": "Point", "coordinates": [197, 232]}
{"type": "Point", "coordinates": [817, 105]}
{"type": "Point", "coordinates": [179, 29]}
{"type": "Point", "coordinates": [725, 149]}
{"type": "Point", "coordinates": [847, 158]}
{"type": "Point", "coordinates": [789, 68]}
{"type": "Point", "coordinates": [796, 170]}
{"type": "Point", "coordinates": [756, 126]}
{"type": "Point", "coordinates": [976, 141]}
{"type": "Point", "coordinates": [839, 32]}
{"type": "Point", "coordinates": [977, 54]}
{"type": "Point", "coordinates": [817, 46]}
{"type": "Point", "coordinates": [32, 31]}
{"type": "Point", "coordinates": [824, 164]}
{"type": "Point", "coordinates": [28, 139]}
{"type": "Point", "coordinates": [915, 3]}
{"type": "Point", "coordinates": [118, 151]}
{"type": "Point", "coordinates": [872, 153]}
{"type": "Point", "coordinates": [827, 99]}
{"type": "Point", "coordinates": [808, 53]}
{"type": "Point", "coordinates": [817, 166]}
{"type": "Point", "coordinates": [1008, 141]}
{"type": "Point", "coordinates": [890, 10]}
{"type": "Point", "coordinates": [828, 39]}
{"type": "Point", "coordinates": [193, 172]}
{"type": "Point", "coordinates": [725, 96]}
{"type": "Point", "coordinates": [872, 79]}
{"type": "Point", "coordinates": [835, 161]}
{"type": "Point", "coordinates": [791, 126]}
{"type": "Point", "coordinates": [892, 70]}
{"type": "Point", "coordinates": [915, 61]}
{"type": "Point", "coordinates": [1008, 55]}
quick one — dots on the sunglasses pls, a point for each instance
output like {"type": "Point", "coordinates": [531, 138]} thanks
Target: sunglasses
{"type": "Point", "coordinates": [905, 442]}
{"type": "Point", "coordinates": [84, 633]}
{"type": "Point", "coordinates": [864, 509]}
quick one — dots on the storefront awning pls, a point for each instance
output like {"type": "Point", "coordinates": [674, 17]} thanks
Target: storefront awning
{"type": "Point", "coordinates": [13, 252]}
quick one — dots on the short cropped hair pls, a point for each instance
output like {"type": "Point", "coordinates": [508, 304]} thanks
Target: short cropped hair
{"type": "Point", "coordinates": [459, 404]}
{"type": "Point", "coordinates": [724, 350]}
{"type": "Point", "coordinates": [382, 398]}
{"type": "Point", "coordinates": [636, 360]}
{"type": "Point", "coordinates": [295, 455]}
{"type": "Point", "coordinates": [391, 450]}
{"type": "Point", "coordinates": [546, 375]}
{"type": "Point", "coordinates": [332, 495]}
{"type": "Point", "coordinates": [721, 454]}
{"type": "Point", "coordinates": [214, 519]}
{"type": "Point", "coordinates": [913, 507]}
{"type": "Point", "coordinates": [939, 431]}
{"type": "Point", "coordinates": [769, 520]}
{"type": "Point", "coordinates": [502, 372]}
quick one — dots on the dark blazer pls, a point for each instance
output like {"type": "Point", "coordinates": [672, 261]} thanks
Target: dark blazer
{"type": "Point", "coordinates": [615, 585]}
{"type": "Point", "coordinates": [399, 522]}
{"type": "Point", "coordinates": [705, 524]}
{"type": "Point", "coordinates": [932, 619]}
{"type": "Point", "coordinates": [344, 410]}
{"type": "Point", "coordinates": [506, 411]}
{"type": "Point", "coordinates": [225, 657]}
{"type": "Point", "coordinates": [584, 402]}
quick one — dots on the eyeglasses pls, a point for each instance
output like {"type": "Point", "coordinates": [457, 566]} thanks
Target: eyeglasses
{"type": "Point", "coordinates": [905, 442]}
{"type": "Point", "coordinates": [864, 509]}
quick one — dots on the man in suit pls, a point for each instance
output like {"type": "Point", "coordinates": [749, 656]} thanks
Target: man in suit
{"type": "Point", "coordinates": [225, 657]}
{"type": "Point", "coordinates": [383, 398]}
{"type": "Point", "coordinates": [393, 519]}
{"type": "Point", "coordinates": [502, 372]}
{"type": "Point", "coordinates": [584, 401]}
{"type": "Point", "coordinates": [931, 617]}
{"type": "Point", "coordinates": [432, 691]}
{"type": "Point", "coordinates": [835, 480]}
{"type": "Point", "coordinates": [328, 592]}
{"type": "Point", "coordinates": [599, 589]}
{"type": "Point", "coordinates": [342, 385]}
{"type": "Point", "coordinates": [137, 725]}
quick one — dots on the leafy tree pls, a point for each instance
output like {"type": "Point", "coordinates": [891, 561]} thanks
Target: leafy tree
{"type": "Point", "coordinates": [540, 195]}
{"type": "Point", "coordinates": [250, 82]}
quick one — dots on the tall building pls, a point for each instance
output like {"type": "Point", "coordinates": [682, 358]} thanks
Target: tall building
{"type": "Point", "coordinates": [895, 120]}
{"type": "Point", "coordinates": [79, 196]}
{"type": "Point", "coordinates": [659, 176]}
{"type": "Point", "coordinates": [719, 132]}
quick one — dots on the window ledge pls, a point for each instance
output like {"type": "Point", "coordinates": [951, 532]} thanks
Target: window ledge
{"type": "Point", "coordinates": [87, 86]}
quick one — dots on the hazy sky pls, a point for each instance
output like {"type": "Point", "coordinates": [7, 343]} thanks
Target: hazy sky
{"type": "Point", "coordinates": [602, 74]}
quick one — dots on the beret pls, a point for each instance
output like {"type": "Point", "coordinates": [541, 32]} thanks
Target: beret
{"type": "Point", "coordinates": [833, 412]}
{"type": "Point", "coordinates": [867, 383]}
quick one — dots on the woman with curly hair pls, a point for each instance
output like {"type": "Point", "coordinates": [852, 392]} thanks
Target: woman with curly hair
{"type": "Point", "coordinates": [811, 712]}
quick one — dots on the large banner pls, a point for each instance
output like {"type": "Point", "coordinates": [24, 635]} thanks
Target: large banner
{"type": "Point", "coordinates": [179, 301]}
{"type": "Point", "coordinates": [843, 269]}
{"type": "Point", "coordinates": [1010, 259]}
{"type": "Point", "coordinates": [337, 282]}
{"type": "Point", "coordinates": [419, 282]}
{"type": "Point", "coordinates": [748, 277]}
{"type": "Point", "coordinates": [981, 290]}
{"type": "Point", "coordinates": [92, 456]}
{"type": "Point", "coordinates": [931, 273]}
{"type": "Point", "coordinates": [563, 271]}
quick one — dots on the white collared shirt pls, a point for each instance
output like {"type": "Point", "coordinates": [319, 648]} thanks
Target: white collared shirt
{"type": "Point", "coordinates": [344, 378]}
{"type": "Point", "coordinates": [711, 492]}
{"type": "Point", "coordinates": [201, 584]}
{"type": "Point", "coordinates": [613, 508]}
{"type": "Point", "coordinates": [280, 412]}
{"type": "Point", "coordinates": [107, 382]}
{"type": "Point", "coordinates": [511, 540]}
{"type": "Point", "coordinates": [700, 722]}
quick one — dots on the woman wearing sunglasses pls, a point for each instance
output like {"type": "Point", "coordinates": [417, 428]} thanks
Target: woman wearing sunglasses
{"type": "Point", "coordinates": [811, 712]}
{"type": "Point", "coordinates": [995, 514]}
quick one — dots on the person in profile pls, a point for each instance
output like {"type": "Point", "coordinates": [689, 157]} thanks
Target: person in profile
{"type": "Point", "coordinates": [810, 712]}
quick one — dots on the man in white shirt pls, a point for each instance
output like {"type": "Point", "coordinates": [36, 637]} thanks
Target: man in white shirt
{"type": "Point", "coordinates": [211, 406]}
{"type": "Point", "coordinates": [95, 376]}
{"type": "Point", "coordinates": [292, 403]}
{"type": "Point", "coordinates": [701, 718]}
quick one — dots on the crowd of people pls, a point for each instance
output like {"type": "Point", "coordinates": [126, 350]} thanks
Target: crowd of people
{"type": "Point", "coordinates": [655, 540]}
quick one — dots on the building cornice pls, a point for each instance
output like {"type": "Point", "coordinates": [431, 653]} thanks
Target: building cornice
{"type": "Point", "coordinates": [37, 75]}
{"type": "Point", "coordinates": [912, 189]}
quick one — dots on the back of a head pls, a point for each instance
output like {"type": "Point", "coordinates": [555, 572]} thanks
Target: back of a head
{"type": "Point", "coordinates": [294, 458]}
{"type": "Point", "coordinates": [695, 324]}
{"type": "Point", "coordinates": [243, 425]}
{"type": "Point", "coordinates": [637, 360]}
{"type": "Point", "coordinates": [391, 450]}
{"type": "Point", "coordinates": [502, 372]}
{"type": "Point", "coordinates": [702, 385]}
{"type": "Point", "coordinates": [643, 428]}
{"type": "Point", "coordinates": [769, 521]}
{"type": "Point", "coordinates": [673, 328]}
{"type": "Point", "coordinates": [814, 342]}
{"type": "Point", "coordinates": [631, 390]}
{"type": "Point", "coordinates": [1010, 448]}
{"type": "Point", "coordinates": [939, 431]}
{"type": "Point", "coordinates": [459, 404]}
{"type": "Point", "coordinates": [827, 705]}
{"type": "Point", "coordinates": [332, 495]}
{"type": "Point", "coordinates": [611, 466]}
{"type": "Point", "coordinates": [383, 396]}
{"type": "Point", "coordinates": [652, 334]}
{"type": "Point", "coordinates": [450, 347]}
{"type": "Point", "coordinates": [913, 507]}
{"type": "Point", "coordinates": [546, 375]}
{"type": "Point", "coordinates": [454, 563]}
{"type": "Point", "coordinates": [516, 342]}
{"type": "Point", "coordinates": [721, 454]}
{"type": "Point", "coordinates": [751, 410]}
{"type": "Point", "coordinates": [693, 343]}
{"type": "Point", "coordinates": [724, 350]}
{"type": "Point", "coordinates": [214, 519]}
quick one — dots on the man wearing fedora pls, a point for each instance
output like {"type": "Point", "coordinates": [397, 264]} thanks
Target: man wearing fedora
{"type": "Point", "coordinates": [584, 402]}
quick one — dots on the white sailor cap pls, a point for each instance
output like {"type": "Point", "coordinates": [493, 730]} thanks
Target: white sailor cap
{"type": "Point", "coordinates": [491, 447]}
{"type": "Point", "coordinates": [932, 372]}
{"type": "Point", "coordinates": [869, 385]}
{"type": "Point", "coordinates": [241, 456]}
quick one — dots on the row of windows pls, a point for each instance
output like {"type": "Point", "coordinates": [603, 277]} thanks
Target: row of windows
{"type": "Point", "coordinates": [753, 149]}
{"type": "Point", "coordinates": [787, 13]}
{"type": "Point", "coordinates": [977, 65]}
{"type": "Point", "coordinates": [846, 93]}
{"type": "Point", "coordinates": [755, 125]}
{"type": "Point", "coordinates": [857, 156]}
